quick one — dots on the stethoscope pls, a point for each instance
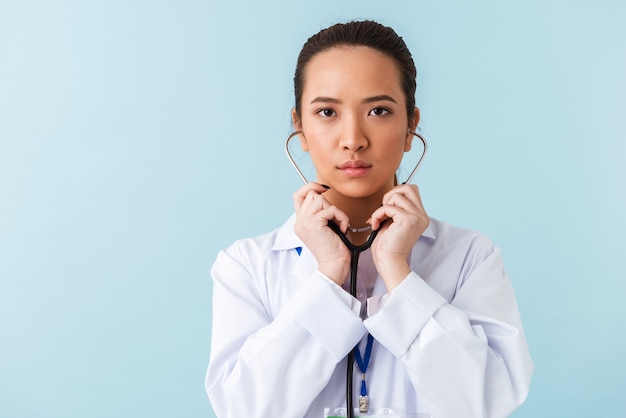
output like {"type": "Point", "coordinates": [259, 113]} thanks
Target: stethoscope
{"type": "Point", "coordinates": [355, 252]}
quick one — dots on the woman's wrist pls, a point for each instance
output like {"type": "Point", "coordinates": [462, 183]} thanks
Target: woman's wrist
{"type": "Point", "coordinates": [336, 273]}
{"type": "Point", "coordinates": [393, 272]}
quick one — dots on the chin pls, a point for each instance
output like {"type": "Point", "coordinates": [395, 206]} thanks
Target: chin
{"type": "Point", "coordinates": [360, 191]}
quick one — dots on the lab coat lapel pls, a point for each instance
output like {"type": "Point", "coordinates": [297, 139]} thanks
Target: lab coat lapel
{"type": "Point", "coordinates": [305, 265]}
{"type": "Point", "coordinates": [303, 262]}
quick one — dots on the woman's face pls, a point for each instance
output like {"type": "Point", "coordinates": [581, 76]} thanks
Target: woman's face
{"type": "Point", "coordinates": [354, 120]}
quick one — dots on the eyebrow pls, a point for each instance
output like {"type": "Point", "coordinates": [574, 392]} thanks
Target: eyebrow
{"type": "Point", "coordinates": [382, 97]}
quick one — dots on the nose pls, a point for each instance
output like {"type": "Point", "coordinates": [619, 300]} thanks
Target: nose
{"type": "Point", "coordinates": [353, 137]}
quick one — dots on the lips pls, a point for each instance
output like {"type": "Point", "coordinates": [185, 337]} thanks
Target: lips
{"type": "Point", "coordinates": [355, 168]}
{"type": "Point", "coordinates": [354, 164]}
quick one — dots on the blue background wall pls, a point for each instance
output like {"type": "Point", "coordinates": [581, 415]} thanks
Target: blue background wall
{"type": "Point", "coordinates": [137, 138]}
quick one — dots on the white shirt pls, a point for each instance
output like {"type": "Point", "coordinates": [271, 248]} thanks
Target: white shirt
{"type": "Point", "coordinates": [448, 343]}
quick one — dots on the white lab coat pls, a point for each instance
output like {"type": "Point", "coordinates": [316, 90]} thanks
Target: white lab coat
{"type": "Point", "coordinates": [449, 341]}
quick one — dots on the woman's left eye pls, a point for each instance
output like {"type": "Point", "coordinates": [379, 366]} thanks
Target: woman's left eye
{"type": "Point", "coordinates": [379, 111]}
{"type": "Point", "coordinates": [327, 113]}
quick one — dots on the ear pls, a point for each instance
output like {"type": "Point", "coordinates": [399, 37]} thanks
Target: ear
{"type": "Point", "coordinates": [413, 122]}
{"type": "Point", "coordinates": [298, 127]}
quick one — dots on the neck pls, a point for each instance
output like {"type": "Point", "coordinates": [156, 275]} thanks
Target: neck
{"type": "Point", "coordinates": [359, 211]}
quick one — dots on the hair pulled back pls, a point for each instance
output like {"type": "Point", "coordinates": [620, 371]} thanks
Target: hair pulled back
{"type": "Point", "coordinates": [360, 33]}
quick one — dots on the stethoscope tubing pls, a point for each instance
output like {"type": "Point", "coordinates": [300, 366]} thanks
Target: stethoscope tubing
{"type": "Point", "coordinates": [355, 252]}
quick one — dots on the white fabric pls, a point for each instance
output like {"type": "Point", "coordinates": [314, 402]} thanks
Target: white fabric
{"type": "Point", "coordinates": [448, 340]}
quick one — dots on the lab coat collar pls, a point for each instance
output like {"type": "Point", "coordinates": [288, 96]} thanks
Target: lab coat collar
{"type": "Point", "coordinates": [286, 239]}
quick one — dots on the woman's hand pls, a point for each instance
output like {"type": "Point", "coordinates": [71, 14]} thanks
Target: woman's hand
{"type": "Point", "coordinates": [313, 212]}
{"type": "Point", "coordinates": [406, 221]}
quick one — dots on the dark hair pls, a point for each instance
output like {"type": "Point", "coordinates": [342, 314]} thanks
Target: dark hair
{"type": "Point", "coordinates": [360, 33]}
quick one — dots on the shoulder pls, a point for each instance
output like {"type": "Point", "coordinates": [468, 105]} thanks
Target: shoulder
{"type": "Point", "coordinates": [446, 243]}
{"type": "Point", "coordinates": [449, 255]}
{"type": "Point", "coordinates": [451, 235]}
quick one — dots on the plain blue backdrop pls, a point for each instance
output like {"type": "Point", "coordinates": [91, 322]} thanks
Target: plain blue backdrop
{"type": "Point", "coordinates": [137, 138]}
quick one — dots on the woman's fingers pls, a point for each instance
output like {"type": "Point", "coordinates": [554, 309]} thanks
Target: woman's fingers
{"type": "Point", "coordinates": [402, 200]}
{"type": "Point", "coordinates": [403, 206]}
{"type": "Point", "coordinates": [313, 212]}
{"type": "Point", "coordinates": [309, 202]}
{"type": "Point", "coordinates": [404, 222]}
{"type": "Point", "coordinates": [301, 194]}
{"type": "Point", "coordinates": [406, 196]}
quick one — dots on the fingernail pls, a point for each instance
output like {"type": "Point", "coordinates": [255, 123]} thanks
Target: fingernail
{"type": "Point", "coordinates": [325, 186]}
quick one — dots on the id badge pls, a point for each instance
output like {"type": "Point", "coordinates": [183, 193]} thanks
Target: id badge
{"type": "Point", "coordinates": [379, 413]}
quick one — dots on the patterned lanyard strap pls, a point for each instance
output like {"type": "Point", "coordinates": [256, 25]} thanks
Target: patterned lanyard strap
{"type": "Point", "coordinates": [363, 363]}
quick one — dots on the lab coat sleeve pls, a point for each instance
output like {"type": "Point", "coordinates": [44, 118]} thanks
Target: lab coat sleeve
{"type": "Point", "coordinates": [274, 366]}
{"type": "Point", "coordinates": [467, 358]}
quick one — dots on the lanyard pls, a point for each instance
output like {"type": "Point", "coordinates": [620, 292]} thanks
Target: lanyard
{"type": "Point", "coordinates": [363, 363]}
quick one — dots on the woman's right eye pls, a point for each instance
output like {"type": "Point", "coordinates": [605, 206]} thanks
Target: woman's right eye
{"type": "Point", "coordinates": [327, 113]}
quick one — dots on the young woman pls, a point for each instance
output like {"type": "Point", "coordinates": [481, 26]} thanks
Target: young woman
{"type": "Point", "coordinates": [447, 336]}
